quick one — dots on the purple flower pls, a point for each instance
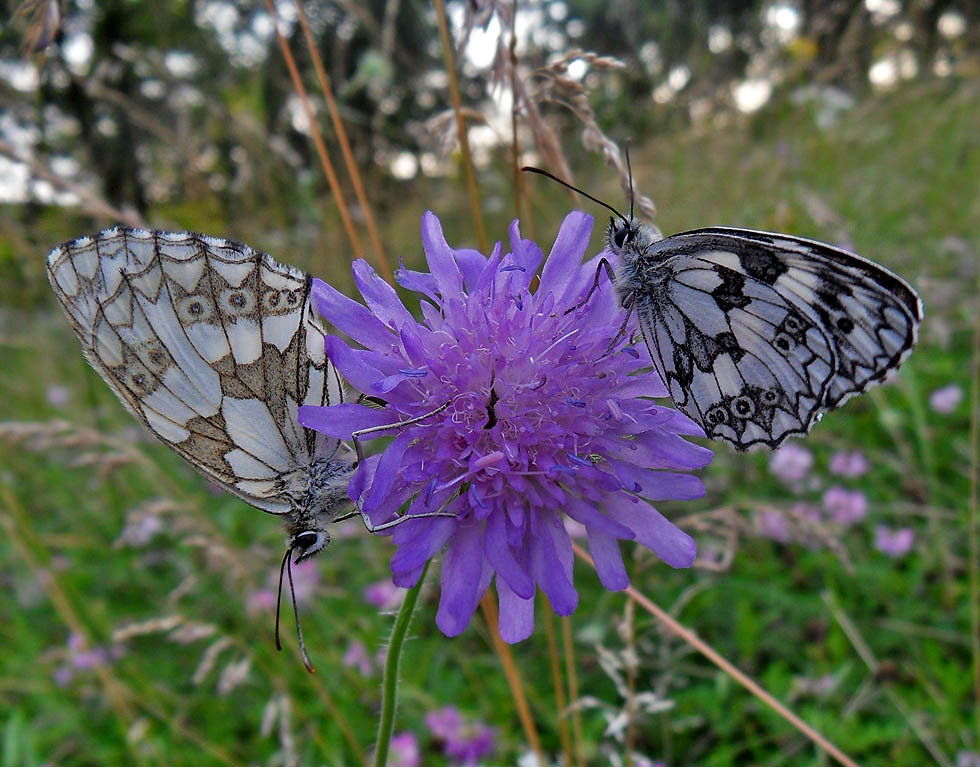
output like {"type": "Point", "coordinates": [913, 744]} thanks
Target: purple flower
{"type": "Point", "coordinates": [80, 657]}
{"type": "Point", "coordinates": [383, 594]}
{"type": "Point", "coordinates": [404, 751]}
{"type": "Point", "coordinates": [356, 656]}
{"type": "Point", "coordinates": [525, 415]}
{"type": "Point", "coordinates": [946, 399]}
{"type": "Point", "coordinates": [463, 742]}
{"type": "Point", "coordinates": [773, 524]}
{"type": "Point", "coordinates": [444, 723]}
{"type": "Point", "coordinates": [57, 396]}
{"type": "Point", "coordinates": [845, 506]}
{"type": "Point", "coordinates": [791, 462]}
{"type": "Point", "coordinates": [894, 543]}
{"type": "Point", "coordinates": [851, 463]}
{"type": "Point", "coordinates": [470, 745]}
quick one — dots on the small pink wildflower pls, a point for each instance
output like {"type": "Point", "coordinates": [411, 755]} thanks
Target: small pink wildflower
{"type": "Point", "coordinates": [845, 507]}
{"type": "Point", "coordinates": [894, 543]}
{"type": "Point", "coordinates": [791, 463]}
{"type": "Point", "coordinates": [852, 463]}
{"type": "Point", "coordinates": [946, 399]}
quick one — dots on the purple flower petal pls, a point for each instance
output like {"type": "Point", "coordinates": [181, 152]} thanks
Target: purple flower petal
{"type": "Point", "coordinates": [387, 472]}
{"type": "Point", "coordinates": [608, 560]}
{"type": "Point", "coordinates": [471, 264]}
{"type": "Point", "coordinates": [342, 420]}
{"type": "Point", "coordinates": [430, 534]}
{"type": "Point", "coordinates": [350, 317]}
{"type": "Point", "coordinates": [658, 485]}
{"type": "Point", "coordinates": [547, 552]}
{"type": "Point", "coordinates": [565, 259]}
{"type": "Point", "coordinates": [591, 517]}
{"type": "Point", "coordinates": [417, 282]}
{"type": "Point", "coordinates": [380, 297]}
{"type": "Point", "coordinates": [502, 559]}
{"type": "Point", "coordinates": [351, 364]}
{"type": "Point", "coordinates": [525, 252]}
{"type": "Point", "coordinates": [461, 570]}
{"type": "Point", "coordinates": [516, 613]}
{"type": "Point", "coordinates": [439, 256]}
{"type": "Point", "coordinates": [653, 530]}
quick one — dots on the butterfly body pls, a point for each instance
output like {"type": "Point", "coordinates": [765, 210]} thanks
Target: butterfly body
{"type": "Point", "coordinates": [756, 334]}
{"type": "Point", "coordinates": [213, 346]}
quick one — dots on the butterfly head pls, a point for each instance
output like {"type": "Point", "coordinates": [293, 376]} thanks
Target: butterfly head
{"type": "Point", "coordinates": [308, 543]}
{"type": "Point", "coordinates": [628, 238]}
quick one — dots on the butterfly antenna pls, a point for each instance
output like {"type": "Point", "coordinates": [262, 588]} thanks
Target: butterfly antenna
{"type": "Point", "coordinates": [282, 569]}
{"type": "Point", "coordinates": [629, 174]}
{"type": "Point", "coordinates": [299, 630]}
{"type": "Point", "coordinates": [606, 205]}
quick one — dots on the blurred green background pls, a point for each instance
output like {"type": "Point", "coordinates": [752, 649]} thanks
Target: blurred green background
{"type": "Point", "coordinates": [137, 603]}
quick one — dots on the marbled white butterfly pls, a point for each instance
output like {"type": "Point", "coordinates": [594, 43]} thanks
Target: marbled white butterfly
{"type": "Point", "coordinates": [756, 334]}
{"type": "Point", "coordinates": [213, 346]}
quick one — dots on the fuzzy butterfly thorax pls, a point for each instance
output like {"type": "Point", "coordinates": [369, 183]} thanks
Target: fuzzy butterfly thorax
{"type": "Point", "coordinates": [756, 334]}
{"type": "Point", "coordinates": [316, 508]}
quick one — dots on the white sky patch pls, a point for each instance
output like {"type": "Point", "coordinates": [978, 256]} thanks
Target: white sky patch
{"type": "Point", "coordinates": [263, 27]}
{"type": "Point", "coordinates": [752, 94]}
{"type": "Point", "coordinates": [881, 10]}
{"type": "Point", "coordinates": [719, 38]}
{"type": "Point", "coordinates": [663, 93]}
{"type": "Point", "coordinates": [904, 31]}
{"type": "Point", "coordinates": [404, 166]}
{"type": "Point", "coordinates": [951, 24]}
{"type": "Point", "coordinates": [884, 72]}
{"type": "Point", "coordinates": [650, 56]}
{"type": "Point", "coordinates": [153, 88]}
{"type": "Point", "coordinates": [783, 17]}
{"type": "Point", "coordinates": [181, 63]}
{"type": "Point", "coordinates": [577, 69]}
{"type": "Point", "coordinates": [558, 11]}
{"type": "Point", "coordinates": [78, 50]}
{"type": "Point", "coordinates": [21, 75]}
{"type": "Point", "coordinates": [482, 45]}
{"type": "Point", "coordinates": [107, 127]}
{"type": "Point", "coordinates": [14, 178]}
{"type": "Point", "coordinates": [297, 115]}
{"type": "Point", "coordinates": [678, 77]}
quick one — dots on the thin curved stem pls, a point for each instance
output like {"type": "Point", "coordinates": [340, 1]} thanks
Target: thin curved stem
{"type": "Point", "coordinates": [729, 668]}
{"type": "Point", "coordinates": [489, 607]}
{"type": "Point", "coordinates": [464, 144]}
{"type": "Point", "coordinates": [389, 686]}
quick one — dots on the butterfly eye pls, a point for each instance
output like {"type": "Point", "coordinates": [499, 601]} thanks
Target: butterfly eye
{"type": "Point", "coordinates": [623, 235]}
{"type": "Point", "coordinates": [309, 542]}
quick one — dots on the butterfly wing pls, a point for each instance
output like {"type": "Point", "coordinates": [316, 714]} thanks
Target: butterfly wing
{"type": "Point", "coordinates": [871, 314]}
{"type": "Point", "coordinates": [210, 344]}
{"type": "Point", "coordinates": [756, 334]}
{"type": "Point", "coordinates": [712, 332]}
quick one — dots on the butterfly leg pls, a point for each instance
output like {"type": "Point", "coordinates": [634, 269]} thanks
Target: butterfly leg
{"type": "Point", "coordinates": [623, 329]}
{"type": "Point", "coordinates": [440, 512]}
{"type": "Point", "coordinates": [604, 265]}
{"type": "Point", "coordinates": [357, 435]}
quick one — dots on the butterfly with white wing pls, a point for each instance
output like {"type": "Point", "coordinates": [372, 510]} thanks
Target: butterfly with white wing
{"type": "Point", "coordinates": [756, 334]}
{"type": "Point", "coordinates": [213, 346]}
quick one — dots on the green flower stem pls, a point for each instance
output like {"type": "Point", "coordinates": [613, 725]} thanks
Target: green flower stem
{"type": "Point", "coordinates": [389, 687]}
